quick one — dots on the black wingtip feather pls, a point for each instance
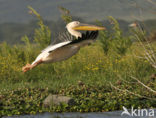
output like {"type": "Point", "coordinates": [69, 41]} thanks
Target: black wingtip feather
{"type": "Point", "coordinates": [86, 36]}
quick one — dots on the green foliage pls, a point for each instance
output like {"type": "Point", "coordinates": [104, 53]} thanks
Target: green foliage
{"type": "Point", "coordinates": [152, 36]}
{"type": "Point", "coordinates": [88, 98]}
{"type": "Point", "coordinates": [105, 40]}
{"type": "Point", "coordinates": [42, 35]}
{"type": "Point", "coordinates": [26, 41]}
{"type": "Point", "coordinates": [22, 101]}
{"type": "Point", "coordinates": [138, 34]}
{"type": "Point", "coordinates": [115, 40]}
{"type": "Point", "coordinates": [148, 49]}
{"type": "Point", "coordinates": [66, 16]}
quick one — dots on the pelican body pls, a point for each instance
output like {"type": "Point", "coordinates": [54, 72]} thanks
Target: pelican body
{"type": "Point", "coordinates": [69, 47]}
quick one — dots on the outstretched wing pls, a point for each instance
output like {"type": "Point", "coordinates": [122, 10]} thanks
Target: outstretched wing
{"type": "Point", "coordinates": [44, 53]}
{"type": "Point", "coordinates": [67, 40]}
{"type": "Point", "coordinates": [62, 39]}
{"type": "Point", "coordinates": [53, 47]}
{"type": "Point", "coordinates": [86, 36]}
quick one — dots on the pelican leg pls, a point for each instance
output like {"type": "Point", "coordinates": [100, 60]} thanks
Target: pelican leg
{"type": "Point", "coordinates": [30, 66]}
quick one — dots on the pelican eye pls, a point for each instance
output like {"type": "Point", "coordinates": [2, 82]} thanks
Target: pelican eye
{"type": "Point", "coordinates": [77, 23]}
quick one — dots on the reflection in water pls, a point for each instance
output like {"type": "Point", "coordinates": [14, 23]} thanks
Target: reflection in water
{"type": "Point", "coordinates": [115, 114]}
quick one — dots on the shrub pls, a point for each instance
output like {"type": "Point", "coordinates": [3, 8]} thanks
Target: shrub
{"type": "Point", "coordinates": [115, 41]}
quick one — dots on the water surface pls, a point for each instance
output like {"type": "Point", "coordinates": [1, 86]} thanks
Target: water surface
{"type": "Point", "coordinates": [114, 114]}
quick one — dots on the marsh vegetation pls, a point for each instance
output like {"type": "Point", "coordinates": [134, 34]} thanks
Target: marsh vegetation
{"type": "Point", "coordinates": [100, 77]}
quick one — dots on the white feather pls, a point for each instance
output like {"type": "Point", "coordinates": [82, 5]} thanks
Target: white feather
{"type": "Point", "coordinates": [44, 53]}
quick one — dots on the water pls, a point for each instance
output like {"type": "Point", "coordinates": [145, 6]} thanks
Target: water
{"type": "Point", "coordinates": [114, 114]}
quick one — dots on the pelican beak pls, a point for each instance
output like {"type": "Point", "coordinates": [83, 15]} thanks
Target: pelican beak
{"type": "Point", "coordinates": [88, 27]}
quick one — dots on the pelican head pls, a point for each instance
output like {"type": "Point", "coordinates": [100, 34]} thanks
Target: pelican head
{"type": "Point", "coordinates": [73, 26]}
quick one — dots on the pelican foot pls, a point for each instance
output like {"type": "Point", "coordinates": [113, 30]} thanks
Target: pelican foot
{"type": "Point", "coordinates": [27, 67]}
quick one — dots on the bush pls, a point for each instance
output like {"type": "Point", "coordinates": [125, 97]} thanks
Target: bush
{"type": "Point", "coordinates": [114, 41]}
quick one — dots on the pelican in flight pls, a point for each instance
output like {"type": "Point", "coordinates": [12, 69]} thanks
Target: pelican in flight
{"type": "Point", "coordinates": [69, 47]}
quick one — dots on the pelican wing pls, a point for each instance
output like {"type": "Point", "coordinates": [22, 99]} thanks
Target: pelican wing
{"type": "Point", "coordinates": [63, 37]}
{"type": "Point", "coordinates": [68, 40]}
{"type": "Point", "coordinates": [53, 47]}
{"type": "Point", "coordinates": [50, 48]}
{"type": "Point", "coordinates": [86, 36]}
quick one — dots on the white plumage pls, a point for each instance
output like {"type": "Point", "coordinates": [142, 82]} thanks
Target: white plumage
{"type": "Point", "coordinates": [45, 53]}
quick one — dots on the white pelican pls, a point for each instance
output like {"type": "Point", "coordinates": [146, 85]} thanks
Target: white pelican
{"type": "Point", "coordinates": [134, 24]}
{"type": "Point", "coordinates": [69, 47]}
